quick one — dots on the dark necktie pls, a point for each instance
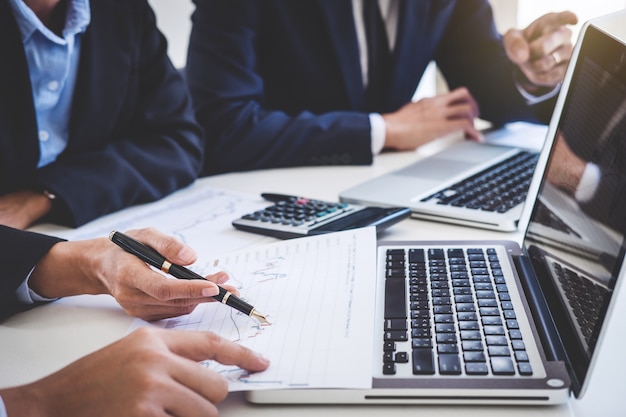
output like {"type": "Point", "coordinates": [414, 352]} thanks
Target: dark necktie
{"type": "Point", "coordinates": [378, 56]}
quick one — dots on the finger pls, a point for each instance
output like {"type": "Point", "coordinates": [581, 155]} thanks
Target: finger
{"type": "Point", "coordinates": [180, 400]}
{"type": "Point", "coordinates": [461, 95]}
{"type": "Point", "coordinates": [200, 346]}
{"type": "Point", "coordinates": [548, 23]}
{"type": "Point", "coordinates": [170, 247]}
{"type": "Point", "coordinates": [542, 47]}
{"type": "Point", "coordinates": [516, 47]}
{"type": "Point", "coordinates": [461, 111]}
{"type": "Point", "coordinates": [166, 289]}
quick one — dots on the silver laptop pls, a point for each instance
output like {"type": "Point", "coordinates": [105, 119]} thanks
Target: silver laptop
{"type": "Point", "coordinates": [490, 322]}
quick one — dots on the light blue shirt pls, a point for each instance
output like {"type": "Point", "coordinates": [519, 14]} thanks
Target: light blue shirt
{"type": "Point", "coordinates": [53, 67]}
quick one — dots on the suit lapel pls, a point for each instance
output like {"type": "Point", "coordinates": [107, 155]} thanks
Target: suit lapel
{"type": "Point", "coordinates": [341, 29]}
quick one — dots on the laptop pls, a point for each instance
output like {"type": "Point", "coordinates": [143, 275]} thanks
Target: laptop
{"type": "Point", "coordinates": [493, 322]}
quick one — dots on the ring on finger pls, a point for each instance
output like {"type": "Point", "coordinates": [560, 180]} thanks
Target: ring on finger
{"type": "Point", "coordinates": [556, 56]}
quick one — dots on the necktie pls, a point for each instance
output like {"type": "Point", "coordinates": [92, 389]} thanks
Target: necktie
{"type": "Point", "coordinates": [378, 55]}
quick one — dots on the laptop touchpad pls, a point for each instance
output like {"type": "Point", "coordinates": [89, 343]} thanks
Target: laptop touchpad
{"type": "Point", "coordinates": [436, 168]}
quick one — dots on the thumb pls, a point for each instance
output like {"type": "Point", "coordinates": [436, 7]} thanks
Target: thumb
{"type": "Point", "coordinates": [516, 47]}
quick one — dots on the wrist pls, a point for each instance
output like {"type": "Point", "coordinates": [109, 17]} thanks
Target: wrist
{"type": "Point", "coordinates": [71, 261]}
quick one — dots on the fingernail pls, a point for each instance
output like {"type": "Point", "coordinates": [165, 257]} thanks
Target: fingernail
{"type": "Point", "coordinates": [210, 291]}
{"type": "Point", "coordinates": [187, 254]}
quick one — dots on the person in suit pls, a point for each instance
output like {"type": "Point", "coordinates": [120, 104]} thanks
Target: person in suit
{"type": "Point", "coordinates": [32, 263]}
{"type": "Point", "coordinates": [130, 368]}
{"type": "Point", "coordinates": [282, 83]}
{"type": "Point", "coordinates": [93, 116]}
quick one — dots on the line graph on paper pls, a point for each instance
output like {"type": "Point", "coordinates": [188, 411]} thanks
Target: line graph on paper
{"type": "Point", "coordinates": [317, 292]}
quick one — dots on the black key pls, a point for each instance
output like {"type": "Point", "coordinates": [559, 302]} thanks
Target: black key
{"type": "Point", "coordinates": [471, 316]}
{"type": "Point", "coordinates": [515, 334]}
{"type": "Point", "coordinates": [498, 351]}
{"type": "Point", "coordinates": [448, 348]}
{"type": "Point", "coordinates": [494, 330]}
{"type": "Point", "coordinates": [465, 307]}
{"type": "Point", "coordinates": [473, 356]}
{"type": "Point", "coordinates": [501, 365]}
{"type": "Point", "coordinates": [389, 368]}
{"type": "Point", "coordinates": [395, 298]}
{"type": "Point", "coordinates": [518, 344]}
{"type": "Point", "coordinates": [491, 321]}
{"type": "Point", "coordinates": [395, 324]}
{"type": "Point", "coordinates": [442, 309]}
{"type": "Point", "coordinates": [421, 343]}
{"type": "Point", "coordinates": [446, 338]}
{"type": "Point", "coordinates": [444, 318]}
{"type": "Point", "coordinates": [423, 362]}
{"type": "Point", "coordinates": [496, 341]}
{"type": "Point", "coordinates": [525, 368]}
{"type": "Point", "coordinates": [470, 335]}
{"type": "Point", "coordinates": [396, 336]}
{"type": "Point", "coordinates": [445, 328]}
{"type": "Point", "coordinates": [416, 255]}
{"type": "Point", "coordinates": [487, 302]}
{"type": "Point", "coordinates": [420, 332]}
{"type": "Point", "coordinates": [476, 368]}
{"type": "Point", "coordinates": [521, 356]}
{"type": "Point", "coordinates": [388, 357]}
{"type": "Point", "coordinates": [449, 364]}
{"type": "Point", "coordinates": [468, 325]}
{"type": "Point", "coordinates": [389, 346]}
{"type": "Point", "coordinates": [472, 345]}
{"type": "Point", "coordinates": [402, 357]}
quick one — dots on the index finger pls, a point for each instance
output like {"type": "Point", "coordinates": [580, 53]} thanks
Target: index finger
{"type": "Point", "coordinates": [549, 23]}
{"type": "Point", "coordinates": [200, 346]}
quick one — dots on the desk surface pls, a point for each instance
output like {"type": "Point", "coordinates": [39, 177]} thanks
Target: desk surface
{"type": "Point", "coordinates": [44, 339]}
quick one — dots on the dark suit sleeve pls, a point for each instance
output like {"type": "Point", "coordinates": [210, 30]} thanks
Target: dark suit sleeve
{"type": "Point", "coordinates": [134, 138]}
{"type": "Point", "coordinates": [20, 253]}
{"type": "Point", "coordinates": [243, 130]}
{"type": "Point", "coordinates": [472, 55]}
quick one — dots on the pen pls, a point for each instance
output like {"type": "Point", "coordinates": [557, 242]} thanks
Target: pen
{"type": "Point", "coordinates": [154, 258]}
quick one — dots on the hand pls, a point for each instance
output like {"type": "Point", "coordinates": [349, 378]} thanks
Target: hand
{"type": "Point", "coordinates": [543, 49]}
{"type": "Point", "coordinates": [418, 123]}
{"type": "Point", "coordinates": [151, 372]}
{"type": "Point", "coordinates": [98, 266]}
{"type": "Point", "coordinates": [566, 168]}
{"type": "Point", "coordinates": [20, 209]}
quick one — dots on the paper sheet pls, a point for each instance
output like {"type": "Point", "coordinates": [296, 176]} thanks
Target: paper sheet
{"type": "Point", "coordinates": [318, 293]}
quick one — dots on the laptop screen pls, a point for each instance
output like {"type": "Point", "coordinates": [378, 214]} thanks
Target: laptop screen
{"type": "Point", "coordinates": [576, 231]}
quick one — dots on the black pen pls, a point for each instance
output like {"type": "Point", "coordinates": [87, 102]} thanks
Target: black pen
{"type": "Point", "coordinates": [154, 258]}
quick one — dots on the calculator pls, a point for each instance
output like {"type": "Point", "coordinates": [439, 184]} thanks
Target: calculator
{"type": "Point", "coordinates": [292, 216]}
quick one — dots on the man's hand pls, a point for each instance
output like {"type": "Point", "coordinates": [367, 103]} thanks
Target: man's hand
{"type": "Point", "coordinates": [151, 372]}
{"type": "Point", "coordinates": [566, 168]}
{"type": "Point", "coordinates": [98, 266]}
{"type": "Point", "coordinates": [543, 49]}
{"type": "Point", "coordinates": [420, 122]}
{"type": "Point", "coordinates": [23, 208]}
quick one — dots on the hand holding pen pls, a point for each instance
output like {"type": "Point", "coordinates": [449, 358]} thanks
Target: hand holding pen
{"type": "Point", "coordinates": [155, 259]}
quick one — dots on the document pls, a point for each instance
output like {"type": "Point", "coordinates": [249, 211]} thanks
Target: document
{"type": "Point", "coordinates": [317, 292]}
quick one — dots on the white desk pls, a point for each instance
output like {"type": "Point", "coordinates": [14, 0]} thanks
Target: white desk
{"type": "Point", "coordinates": [43, 340]}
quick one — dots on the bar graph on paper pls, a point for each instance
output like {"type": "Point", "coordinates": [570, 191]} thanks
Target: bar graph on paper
{"type": "Point", "coordinates": [318, 293]}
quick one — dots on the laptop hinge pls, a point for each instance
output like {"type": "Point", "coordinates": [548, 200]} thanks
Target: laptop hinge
{"type": "Point", "coordinates": [550, 338]}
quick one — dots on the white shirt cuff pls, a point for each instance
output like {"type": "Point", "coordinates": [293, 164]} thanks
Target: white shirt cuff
{"type": "Point", "coordinates": [28, 296]}
{"type": "Point", "coordinates": [588, 183]}
{"type": "Point", "coordinates": [377, 132]}
{"type": "Point", "coordinates": [532, 99]}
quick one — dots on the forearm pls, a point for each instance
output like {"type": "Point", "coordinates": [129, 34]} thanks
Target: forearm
{"type": "Point", "coordinates": [67, 270]}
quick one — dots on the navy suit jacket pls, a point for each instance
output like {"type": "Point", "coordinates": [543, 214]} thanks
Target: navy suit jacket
{"type": "Point", "coordinates": [278, 82]}
{"type": "Point", "coordinates": [19, 252]}
{"type": "Point", "coordinates": [133, 136]}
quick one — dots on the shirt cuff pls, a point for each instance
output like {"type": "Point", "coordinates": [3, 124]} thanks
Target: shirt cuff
{"type": "Point", "coordinates": [588, 183]}
{"type": "Point", "coordinates": [377, 132]}
{"type": "Point", "coordinates": [27, 296]}
{"type": "Point", "coordinates": [533, 99]}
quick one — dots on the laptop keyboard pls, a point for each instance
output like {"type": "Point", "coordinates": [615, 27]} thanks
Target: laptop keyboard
{"type": "Point", "coordinates": [585, 298]}
{"type": "Point", "coordinates": [453, 309]}
{"type": "Point", "coordinates": [498, 188]}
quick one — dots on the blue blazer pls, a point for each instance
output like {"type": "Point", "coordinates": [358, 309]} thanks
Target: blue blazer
{"type": "Point", "coordinates": [19, 253]}
{"type": "Point", "coordinates": [133, 136]}
{"type": "Point", "coordinates": [278, 82]}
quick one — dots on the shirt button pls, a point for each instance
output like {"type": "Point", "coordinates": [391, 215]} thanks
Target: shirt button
{"type": "Point", "coordinates": [44, 135]}
{"type": "Point", "coordinates": [53, 85]}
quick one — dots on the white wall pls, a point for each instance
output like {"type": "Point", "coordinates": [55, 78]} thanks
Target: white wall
{"type": "Point", "coordinates": [173, 18]}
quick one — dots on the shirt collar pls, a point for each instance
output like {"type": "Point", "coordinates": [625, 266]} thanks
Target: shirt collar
{"type": "Point", "coordinates": [77, 19]}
